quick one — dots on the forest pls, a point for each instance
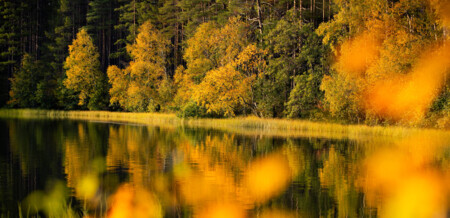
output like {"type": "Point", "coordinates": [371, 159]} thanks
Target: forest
{"type": "Point", "coordinates": [347, 61]}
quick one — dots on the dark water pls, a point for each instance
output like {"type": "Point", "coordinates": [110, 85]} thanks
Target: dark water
{"type": "Point", "coordinates": [76, 168]}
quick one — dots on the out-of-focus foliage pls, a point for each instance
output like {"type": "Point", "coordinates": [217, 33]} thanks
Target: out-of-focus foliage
{"type": "Point", "coordinates": [380, 48]}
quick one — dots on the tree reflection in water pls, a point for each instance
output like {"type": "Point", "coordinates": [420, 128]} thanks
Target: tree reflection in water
{"type": "Point", "coordinates": [142, 171]}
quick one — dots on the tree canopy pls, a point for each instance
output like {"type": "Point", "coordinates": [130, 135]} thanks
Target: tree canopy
{"type": "Point", "coordinates": [83, 70]}
{"type": "Point", "coordinates": [344, 60]}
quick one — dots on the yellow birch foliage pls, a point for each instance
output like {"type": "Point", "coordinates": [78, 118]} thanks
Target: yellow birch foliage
{"type": "Point", "coordinates": [222, 90]}
{"type": "Point", "coordinates": [199, 54]}
{"type": "Point", "coordinates": [212, 47]}
{"type": "Point", "coordinates": [209, 48]}
{"type": "Point", "coordinates": [118, 79]}
{"type": "Point", "coordinates": [82, 66]}
{"type": "Point", "coordinates": [221, 68]}
{"type": "Point", "coordinates": [135, 88]}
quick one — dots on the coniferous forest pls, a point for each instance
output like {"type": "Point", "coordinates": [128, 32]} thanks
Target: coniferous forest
{"type": "Point", "coordinates": [351, 61]}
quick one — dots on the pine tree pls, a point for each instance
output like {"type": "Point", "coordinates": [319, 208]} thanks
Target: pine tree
{"type": "Point", "coordinates": [68, 21]}
{"type": "Point", "coordinates": [171, 27]}
{"type": "Point", "coordinates": [64, 32]}
{"type": "Point", "coordinates": [10, 43]}
{"type": "Point", "coordinates": [23, 84]}
{"type": "Point", "coordinates": [100, 20]}
{"type": "Point", "coordinates": [132, 14]}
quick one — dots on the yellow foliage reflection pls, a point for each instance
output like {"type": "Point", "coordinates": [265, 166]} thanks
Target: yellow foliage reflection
{"type": "Point", "coordinates": [222, 210]}
{"type": "Point", "coordinates": [82, 166]}
{"type": "Point", "coordinates": [403, 180]}
{"type": "Point", "coordinates": [419, 196]}
{"type": "Point", "coordinates": [222, 173]}
{"type": "Point", "coordinates": [277, 214]}
{"type": "Point", "coordinates": [205, 175]}
{"type": "Point", "coordinates": [168, 172]}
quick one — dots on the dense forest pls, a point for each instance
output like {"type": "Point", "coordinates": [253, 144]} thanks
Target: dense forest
{"type": "Point", "coordinates": [354, 61]}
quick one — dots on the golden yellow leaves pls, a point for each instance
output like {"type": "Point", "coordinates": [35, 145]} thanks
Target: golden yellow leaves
{"type": "Point", "coordinates": [82, 66]}
{"type": "Point", "coordinates": [222, 90]}
{"type": "Point", "coordinates": [213, 191]}
{"type": "Point", "coordinates": [251, 60]}
{"type": "Point", "coordinates": [150, 45]}
{"type": "Point", "coordinates": [399, 79]}
{"type": "Point", "coordinates": [135, 88]}
{"type": "Point", "coordinates": [221, 68]}
{"type": "Point", "coordinates": [119, 84]}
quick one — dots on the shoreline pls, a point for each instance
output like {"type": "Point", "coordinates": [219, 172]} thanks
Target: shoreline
{"type": "Point", "coordinates": [243, 125]}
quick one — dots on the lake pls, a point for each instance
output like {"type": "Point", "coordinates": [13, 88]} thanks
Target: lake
{"type": "Point", "coordinates": [64, 168]}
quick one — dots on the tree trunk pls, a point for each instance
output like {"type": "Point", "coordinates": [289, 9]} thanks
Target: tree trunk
{"type": "Point", "coordinates": [329, 9]}
{"type": "Point", "coordinates": [300, 7]}
{"type": "Point", "coordinates": [260, 26]}
{"type": "Point", "coordinates": [37, 30]}
{"type": "Point", "coordinates": [323, 11]}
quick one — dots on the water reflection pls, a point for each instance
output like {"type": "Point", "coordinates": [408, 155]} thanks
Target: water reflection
{"type": "Point", "coordinates": [114, 170]}
{"type": "Point", "coordinates": [409, 178]}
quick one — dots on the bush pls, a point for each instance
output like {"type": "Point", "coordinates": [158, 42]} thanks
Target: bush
{"type": "Point", "coordinates": [192, 110]}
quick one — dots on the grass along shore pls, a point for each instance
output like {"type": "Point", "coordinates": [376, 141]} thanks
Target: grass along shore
{"type": "Point", "coordinates": [243, 125]}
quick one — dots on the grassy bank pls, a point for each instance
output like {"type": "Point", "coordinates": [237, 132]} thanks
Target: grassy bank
{"type": "Point", "coordinates": [243, 125]}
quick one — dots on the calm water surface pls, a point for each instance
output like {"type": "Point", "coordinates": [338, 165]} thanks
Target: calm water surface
{"type": "Point", "coordinates": [60, 168]}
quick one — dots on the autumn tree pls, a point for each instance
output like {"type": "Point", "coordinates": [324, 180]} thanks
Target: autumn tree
{"type": "Point", "coordinates": [119, 81]}
{"type": "Point", "coordinates": [136, 87]}
{"type": "Point", "coordinates": [221, 68]}
{"type": "Point", "coordinates": [374, 42]}
{"type": "Point", "coordinates": [83, 72]}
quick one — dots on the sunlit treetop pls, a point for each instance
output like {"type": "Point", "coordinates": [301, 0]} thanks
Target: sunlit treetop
{"type": "Point", "coordinates": [82, 67]}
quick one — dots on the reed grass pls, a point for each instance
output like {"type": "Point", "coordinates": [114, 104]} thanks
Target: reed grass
{"type": "Point", "coordinates": [243, 125]}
